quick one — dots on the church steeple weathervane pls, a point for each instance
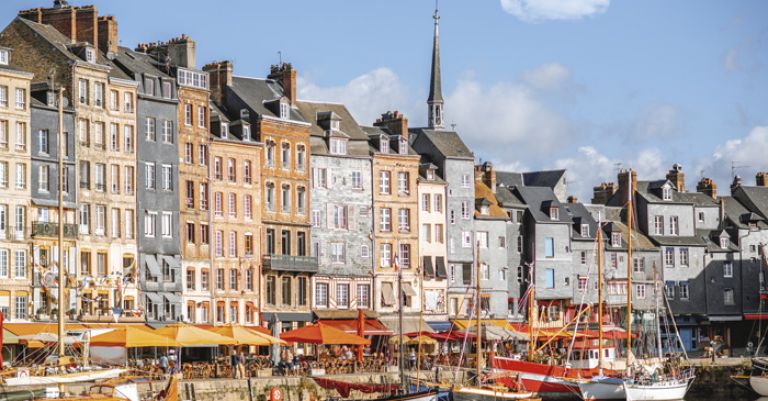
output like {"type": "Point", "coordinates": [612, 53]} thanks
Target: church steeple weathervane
{"type": "Point", "coordinates": [435, 99]}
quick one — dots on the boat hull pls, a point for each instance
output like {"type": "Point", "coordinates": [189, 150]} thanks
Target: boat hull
{"type": "Point", "coordinates": [543, 380]}
{"type": "Point", "coordinates": [602, 388]}
{"type": "Point", "coordinates": [482, 394]}
{"type": "Point", "coordinates": [759, 384]}
{"type": "Point", "coordinates": [668, 391]}
{"type": "Point", "coordinates": [66, 378]}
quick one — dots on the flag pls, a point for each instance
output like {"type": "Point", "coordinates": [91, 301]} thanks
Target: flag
{"type": "Point", "coordinates": [395, 261]}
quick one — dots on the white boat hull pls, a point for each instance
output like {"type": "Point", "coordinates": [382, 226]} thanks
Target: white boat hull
{"type": "Point", "coordinates": [65, 378]}
{"type": "Point", "coordinates": [602, 388]}
{"type": "Point", "coordinates": [661, 391]}
{"type": "Point", "coordinates": [483, 394]}
{"type": "Point", "coordinates": [759, 384]}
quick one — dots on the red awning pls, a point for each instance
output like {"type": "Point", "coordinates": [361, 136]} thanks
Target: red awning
{"type": "Point", "coordinates": [373, 327]}
{"type": "Point", "coordinates": [756, 316]}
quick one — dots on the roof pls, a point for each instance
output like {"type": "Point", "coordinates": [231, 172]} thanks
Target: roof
{"type": "Point", "coordinates": [484, 193]}
{"type": "Point", "coordinates": [547, 178]}
{"type": "Point", "coordinates": [357, 144]}
{"type": "Point", "coordinates": [580, 215]}
{"type": "Point", "coordinates": [509, 179]}
{"type": "Point", "coordinates": [136, 63]}
{"type": "Point", "coordinates": [435, 82]}
{"type": "Point", "coordinates": [708, 236]}
{"type": "Point", "coordinates": [672, 240]}
{"type": "Point", "coordinates": [374, 133]}
{"type": "Point", "coordinates": [756, 198]}
{"type": "Point", "coordinates": [255, 92]}
{"type": "Point", "coordinates": [537, 198]}
{"type": "Point", "coordinates": [639, 240]}
{"type": "Point", "coordinates": [448, 143]}
{"type": "Point", "coordinates": [506, 197]}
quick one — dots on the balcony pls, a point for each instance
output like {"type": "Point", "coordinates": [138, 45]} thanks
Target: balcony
{"type": "Point", "coordinates": [306, 264]}
{"type": "Point", "coordinates": [44, 229]}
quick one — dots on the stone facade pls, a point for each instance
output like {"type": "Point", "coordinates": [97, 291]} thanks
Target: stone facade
{"type": "Point", "coordinates": [432, 243]}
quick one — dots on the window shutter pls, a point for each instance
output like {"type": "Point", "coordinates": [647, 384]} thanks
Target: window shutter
{"type": "Point", "coordinates": [467, 273]}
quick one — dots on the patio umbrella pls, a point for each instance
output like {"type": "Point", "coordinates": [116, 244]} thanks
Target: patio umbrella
{"type": "Point", "coordinates": [133, 337]}
{"type": "Point", "coordinates": [323, 334]}
{"type": "Point", "coordinates": [395, 340]}
{"type": "Point", "coordinates": [243, 336]}
{"type": "Point", "coordinates": [188, 335]}
{"type": "Point", "coordinates": [424, 340]}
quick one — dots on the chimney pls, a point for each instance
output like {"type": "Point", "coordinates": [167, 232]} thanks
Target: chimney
{"type": "Point", "coordinates": [761, 179]}
{"type": "Point", "coordinates": [603, 192]}
{"type": "Point", "coordinates": [735, 184]}
{"type": "Point", "coordinates": [220, 77]}
{"type": "Point", "coordinates": [395, 121]}
{"type": "Point", "coordinates": [79, 24]}
{"type": "Point", "coordinates": [108, 34]}
{"type": "Point", "coordinates": [624, 184]}
{"type": "Point", "coordinates": [708, 187]}
{"type": "Point", "coordinates": [677, 177]}
{"type": "Point", "coordinates": [573, 199]}
{"type": "Point", "coordinates": [182, 51]}
{"type": "Point", "coordinates": [489, 175]}
{"type": "Point", "coordinates": [286, 75]}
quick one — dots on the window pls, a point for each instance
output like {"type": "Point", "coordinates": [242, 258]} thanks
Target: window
{"type": "Point", "coordinates": [269, 196]}
{"type": "Point", "coordinates": [666, 193]}
{"type": "Point", "coordinates": [204, 234]}
{"type": "Point", "coordinates": [403, 220]}
{"type": "Point", "coordinates": [167, 224]}
{"type": "Point", "coordinates": [100, 214]}
{"type": "Point", "coordinates": [219, 245]}
{"type": "Point", "coordinates": [384, 144]}
{"type": "Point", "coordinates": [232, 205]}
{"type": "Point", "coordinates": [204, 280]}
{"type": "Point", "coordinates": [190, 233]}
{"type": "Point", "coordinates": [247, 208]}
{"type": "Point", "coordinates": [301, 156]}
{"type": "Point", "coordinates": [113, 100]}
{"type": "Point", "coordinates": [246, 132]}
{"type": "Point", "coordinates": [188, 153]}
{"type": "Point", "coordinates": [638, 265]}
{"type": "Point", "coordinates": [485, 271]}
{"type": "Point", "coordinates": [285, 198]}
{"type": "Point", "coordinates": [701, 217]}
{"type": "Point", "coordinates": [115, 223]}
{"type": "Point", "coordinates": [669, 257]}
{"type": "Point", "coordinates": [168, 131]}
{"type": "Point", "coordinates": [285, 242]}
{"type": "Point", "coordinates": [426, 233]}
{"type": "Point", "coordinates": [100, 177]}
{"type": "Point", "coordinates": [167, 176]}
{"type": "Point", "coordinates": [90, 55]}
{"type": "Point", "coordinates": [189, 195]}
{"type": "Point", "coordinates": [482, 238]}
{"type": "Point", "coordinates": [217, 173]}
{"type": "Point", "coordinates": [583, 257]}
{"type": "Point", "coordinates": [203, 151]}
{"type": "Point", "coordinates": [319, 178]}
{"type": "Point", "coordinates": [321, 295]}
{"type": "Point", "coordinates": [217, 206]}
{"type": "Point", "coordinates": [190, 279]}
{"type": "Point", "coordinates": [549, 278]}
{"type": "Point", "coordinates": [187, 114]}
{"type": "Point", "coordinates": [21, 136]}
{"type": "Point", "coordinates": [425, 202]}
{"type": "Point", "coordinates": [219, 279]}
{"type": "Point", "coordinates": [404, 257]}
{"type": "Point", "coordinates": [585, 230]}
{"type": "Point", "coordinates": [339, 216]}
{"type": "Point", "coordinates": [42, 141]}
{"type": "Point", "coordinates": [684, 257]}
{"type": "Point", "coordinates": [385, 255]}
{"type": "Point", "coordinates": [669, 289]}
{"type": "Point", "coordinates": [684, 294]}
{"type": "Point", "coordinates": [658, 225]}
{"type": "Point", "coordinates": [301, 200]}
{"type": "Point", "coordinates": [724, 242]}
{"type": "Point", "coordinates": [640, 291]}
{"type": "Point", "coordinates": [128, 138]}
{"type": "Point", "coordinates": [201, 121]}
{"type": "Point", "coordinates": [4, 55]}
{"type": "Point", "coordinates": [114, 137]}
{"type": "Point", "coordinates": [384, 182]}
{"type": "Point", "coordinates": [3, 174]}
{"type": "Point", "coordinates": [582, 285]}
{"type": "Point", "coordinates": [615, 239]}
{"type": "Point", "coordinates": [149, 176]}
{"type": "Point", "coordinates": [21, 306]}
{"type": "Point", "coordinates": [248, 244]}
{"type": "Point", "coordinates": [3, 133]}
{"type": "Point", "coordinates": [4, 261]}
{"type": "Point", "coordinates": [439, 237]}
{"type": "Point", "coordinates": [231, 170]}
{"type": "Point", "coordinates": [554, 213]}
{"type": "Point", "coordinates": [357, 180]}
{"type": "Point", "coordinates": [270, 151]}
{"type": "Point", "coordinates": [232, 244]}
{"type": "Point", "coordinates": [20, 219]}
{"type": "Point", "coordinates": [728, 269]}
{"type": "Point", "coordinates": [129, 224]}
{"type": "Point", "coordinates": [82, 91]}
{"type": "Point", "coordinates": [402, 182]}
{"type": "Point", "coordinates": [549, 247]}
{"type": "Point", "coordinates": [363, 295]}
{"type": "Point", "coordinates": [128, 102]}
{"type": "Point", "coordinates": [42, 180]}
{"type": "Point", "coordinates": [466, 239]}
{"type": "Point", "coordinates": [21, 176]}
{"type": "Point", "coordinates": [128, 179]}
{"type": "Point", "coordinates": [233, 279]}
{"type": "Point", "coordinates": [247, 172]}
{"type": "Point", "coordinates": [465, 181]}
{"type": "Point", "coordinates": [385, 219]}
{"type": "Point", "coordinates": [150, 222]}
{"type": "Point", "coordinates": [465, 210]}
{"type": "Point", "coordinates": [674, 226]}
{"type": "Point", "coordinates": [98, 94]}
{"type": "Point", "coordinates": [728, 298]}
{"type": "Point", "coordinates": [167, 91]}
{"type": "Point", "coordinates": [338, 146]}
{"type": "Point", "coordinates": [287, 297]}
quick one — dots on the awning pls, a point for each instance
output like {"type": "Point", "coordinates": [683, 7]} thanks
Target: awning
{"type": "Point", "coordinates": [441, 272]}
{"type": "Point", "coordinates": [408, 290]}
{"type": "Point", "coordinates": [724, 318]}
{"type": "Point", "coordinates": [373, 327]}
{"type": "Point", "coordinates": [172, 298]}
{"type": "Point", "coordinates": [153, 266]}
{"type": "Point", "coordinates": [410, 324]}
{"type": "Point", "coordinates": [756, 316]}
{"type": "Point", "coordinates": [334, 314]}
{"type": "Point", "coordinates": [387, 294]}
{"type": "Point", "coordinates": [154, 298]}
{"type": "Point", "coordinates": [429, 271]}
{"type": "Point", "coordinates": [288, 316]}
{"type": "Point", "coordinates": [440, 326]}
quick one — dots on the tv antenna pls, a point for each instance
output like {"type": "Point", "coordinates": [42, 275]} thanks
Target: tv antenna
{"type": "Point", "coordinates": [735, 166]}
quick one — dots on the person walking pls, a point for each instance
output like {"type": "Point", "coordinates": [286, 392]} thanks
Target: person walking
{"type": "Point", "coordinates": [164, 364]}
{"type": "Point", "coordinates": [241, 365]}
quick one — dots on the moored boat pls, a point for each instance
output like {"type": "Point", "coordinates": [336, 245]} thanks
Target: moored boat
{"type": "Point", "coordinates": [658, 390]}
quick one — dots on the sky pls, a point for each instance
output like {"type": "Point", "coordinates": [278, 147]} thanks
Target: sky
{"type": "Point", "coordinates": [586, 85]}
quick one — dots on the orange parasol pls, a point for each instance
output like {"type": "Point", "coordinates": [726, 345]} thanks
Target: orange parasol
{"type": "Point", "coordinates": [323, 334]}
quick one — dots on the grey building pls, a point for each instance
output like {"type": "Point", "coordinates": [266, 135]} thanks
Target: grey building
{"type": "Point", "coordinates": [45, 147]}
{"type": "Point", "coordinates": [341, 207]}
{"type": "Point", "coordinates": [157, 147]}
{"type": "Point", "coordinates": [517, 281]}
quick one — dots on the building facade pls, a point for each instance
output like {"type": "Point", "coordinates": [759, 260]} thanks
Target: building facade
{"type": "Point", "coordinates": [433, 250]}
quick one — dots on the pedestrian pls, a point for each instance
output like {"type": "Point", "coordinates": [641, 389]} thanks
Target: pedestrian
{"type": "Point", "coordinates": [241, 364]}
{"type": "Point", "coordinates": [233, 358]}
{"type": "Point", "coordinates": [173, 366]}
{"type": "Point", "coordinates": [412, 358]}
{"type": "Point", "coordinates": [164, 364]}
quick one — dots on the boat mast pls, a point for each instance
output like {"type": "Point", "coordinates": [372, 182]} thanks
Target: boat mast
{"type": "Point", "coordinates": [401, 349]}
{"type": "Point", "coordinates": [62, 178]}
{"type": "Point", "coordinates": [477, 314]}
{"type": "Point", "coordinates": [531, 340]}
{"type": "Point", "coordinates": [656, 289]}
{"type": "Point", "coordinates": [629, 265]}
{"type": "Point", "coordinates": [600, 297]}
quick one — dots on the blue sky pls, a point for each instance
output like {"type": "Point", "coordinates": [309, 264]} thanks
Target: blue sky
{"type": "Point", "coordinates": [530, 84]}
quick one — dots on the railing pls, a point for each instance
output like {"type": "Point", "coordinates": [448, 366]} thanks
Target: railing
{"type": "Point", "coordinates": [45, 229]}
{"type": "Point", "coordinates": [291, 263]}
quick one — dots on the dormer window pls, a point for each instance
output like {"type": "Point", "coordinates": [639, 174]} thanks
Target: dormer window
{"type": "Point", "coordinates": [402, 146]}
{"type": "Point", "coordinates": [244, 114]}
{"type": "Point", "coordinates": [224, 130]}
{"type": "Point", "coordinates": [338, 146]}
{"type": "Point", "coordinates": [285, 111]}
{"type": "Point", "coordinates": [4, 57]}
{"type": "Point", "coordinates": [384, 144]}
{"type": "Point", "coordinates": [616, 239]}
{"type": "Point", "coordinates": [585, 230]}
{"type": "Point", "coordinates": [430, 174]}
{"type": "Point", "coordinates": [554, 213]}
{"type": "Point", "coordinates": [335, 125]}
{"type": "Point", "coordinates": [666, 193]}
{"type": "Point", "coordinates": [484, 210]}
{"type": "Point", "coordinates": [724, 242]}
{"type": "Point", "coordinates": [90, 55]}
{"type": "Point", "coordinates": [246, 132]}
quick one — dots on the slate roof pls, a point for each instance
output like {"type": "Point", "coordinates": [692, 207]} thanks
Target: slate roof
{"type": "Point", "coordinates": [509, 179]}
{"type": "Point", "coordinates": [448, 143]}
{"type": "Point", "coordinates": [757, 197]}
{"type": "Point", "coordinates": [136, 64]}
{"type": "Point", "coordinates": [536, 198]}
{"type": "Point", "coordinates": [580, 215]}
{"type": "Point", "coordinates": [712, 244]}
{"type": "Point", "coordinates": [357, 144]}
{"type": "Point", "coordinates": [640, 241]}
{"type": "Point", "coordinates": [255, 92]}
{"type": "Point", "coordinates": [374, 133]}
{"type": "Point", "coordinates": [507, 197]}
{"type": "Point", "coordinates": [673, 240]}
{"type": "Point", "coordinates": [547, 178]}
{"type": "Point", "coordinates": [738, 214]}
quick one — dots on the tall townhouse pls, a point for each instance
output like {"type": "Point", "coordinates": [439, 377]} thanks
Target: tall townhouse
{"type": "Point", "coordinates": [162, 278]}
{"type": "Point", "coordinates": [490, 221]}
{"type": "Point", "coordinates": [236, 224]}
{"type": "Point", "coordinates": [455, 165]}
{"type": "Point", "coordinates": [269, 106]}
{"type": "Point", "coordinates": [340, 214]}
{"type": "Point", "coordinates": [433, 249]}
{"type": "Point", "coordinates": [395, 171]}
{"type": "Point", "coordinates": [15, 184]}
{"type": "Point", "coordinates": [63, 42]}
{"type": "Point", "coordinates": [157, 200]}
{"type": "Point", "coordinates": [44, 128]}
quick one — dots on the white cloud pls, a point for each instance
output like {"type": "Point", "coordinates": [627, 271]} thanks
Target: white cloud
{"type": "Point", "coordinates": [548, 77]}
{"type": "Point", "coordinates": [367, 96]}
{"type": "Point", "coordinates": [747, 153]}
{"type": "Point", "coordinates": [657, 121]}
{"type": "Point", "coordinates": [537, 10]}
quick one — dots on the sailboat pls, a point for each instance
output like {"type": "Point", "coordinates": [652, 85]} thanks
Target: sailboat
{"type": "Point", "coordinates": [482, 391]}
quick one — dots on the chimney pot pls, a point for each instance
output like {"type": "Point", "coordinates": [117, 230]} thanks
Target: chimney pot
{"type": "Point", "coordinates": [707, 186]}
{"type": "Point", "coordinates": [761, 179]}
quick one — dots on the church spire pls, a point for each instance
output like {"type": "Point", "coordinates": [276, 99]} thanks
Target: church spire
{"type": "Point", "coordinates": [435, 100]}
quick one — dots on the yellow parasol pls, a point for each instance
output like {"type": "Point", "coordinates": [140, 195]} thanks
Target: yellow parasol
{"type": "Point", "coordinates": [133, 337]}
{"type": "Point", "coordinates": [189, 335]}
{"type": "Point", "coordinates": [244, 336]}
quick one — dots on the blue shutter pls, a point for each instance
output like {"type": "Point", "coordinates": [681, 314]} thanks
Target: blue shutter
{"type": "Point", "coordinates": [550, 279]}
{"type": "Point", "coordinates": [549, 247]}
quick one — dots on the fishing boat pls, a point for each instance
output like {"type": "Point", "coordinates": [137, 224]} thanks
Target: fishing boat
{"type": "Point", "coordinates": [758, 380]}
